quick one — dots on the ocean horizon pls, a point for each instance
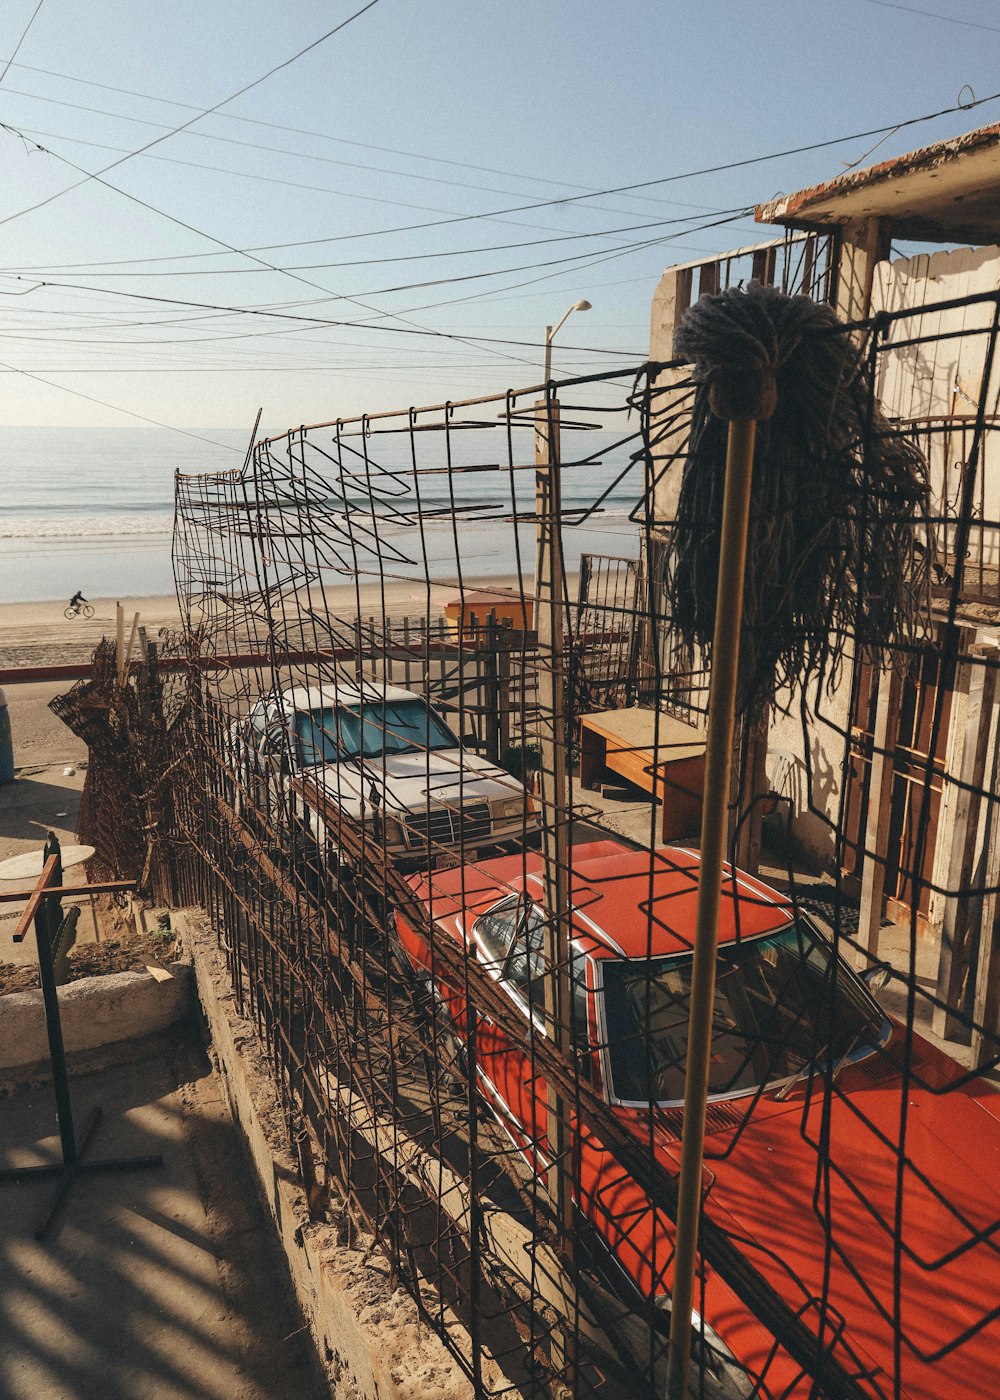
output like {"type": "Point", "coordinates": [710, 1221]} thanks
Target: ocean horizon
{"type": "Point", "coordinates": [93, 509]}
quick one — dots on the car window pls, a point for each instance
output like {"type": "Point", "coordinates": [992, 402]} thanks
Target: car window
{"type": "Point", "coordinates": [316, 736]}
{"type": "Point", "coordinates": [331, 735]}
{"type": "Point", "coordinates": [494, 931]}
{"type": "Point", "coordinates": [257, 720]}
{"type": "Point", "coordinates": [782, 1001]}
{"type": "Point", "coordinates": [526, 966]}
{"type": "Point", "coordinates": [401, 726]}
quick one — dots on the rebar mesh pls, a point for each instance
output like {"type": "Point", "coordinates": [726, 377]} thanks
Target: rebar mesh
{"type": "Point", "coordinates": [434, 774]}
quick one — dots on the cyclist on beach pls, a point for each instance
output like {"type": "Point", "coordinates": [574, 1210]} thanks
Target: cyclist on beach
{"type": "Point", "coordinates": [78, 604]}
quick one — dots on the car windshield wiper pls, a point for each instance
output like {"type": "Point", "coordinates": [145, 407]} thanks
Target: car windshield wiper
{"type": "Point", "coordinates": [815, 1060]}
{"type": "Point", "coordinates": [801, 1073]}
{"type": "Point", "coordinates": [868, 1026]}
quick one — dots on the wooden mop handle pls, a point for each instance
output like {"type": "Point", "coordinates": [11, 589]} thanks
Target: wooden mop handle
{"type": "Point", "coordinates": [718, 763]}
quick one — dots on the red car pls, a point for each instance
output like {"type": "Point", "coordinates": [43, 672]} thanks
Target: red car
{"type": "Point", "coordinates": [808, 1182]}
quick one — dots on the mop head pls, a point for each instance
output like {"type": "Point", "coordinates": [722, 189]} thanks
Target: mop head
{"type": "Point", "coordinates": [837, 560]}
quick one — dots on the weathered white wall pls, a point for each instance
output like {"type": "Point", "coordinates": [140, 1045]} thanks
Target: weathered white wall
{"type": "Point", "coordinates": [945, 377]}
{"type": "Point", "coordinates": [914, 382]}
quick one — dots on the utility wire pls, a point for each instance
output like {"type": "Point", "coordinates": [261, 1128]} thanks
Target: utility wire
{"type": "Point", "coordinates": [24, 35]}
{"type": "Point", "coordinates": [181, 223]}
{"type": "Point", "coordinates": [175, 131]}
{"type": "Point", "coordinates": [307, 320]}
{"type": "Point", "coordinates": [376, 322]}
{"type": "Point", "coordinates": [933, 14]}
{"type": "Point", "coordinates": [13, 369]}
{"type": "Point", "coordinates": [740, 211]}
{"type": "Point", "coordinates": [305, 131]}
{"type": "Point", "coordinates": [297, 155]}
{"type": "Point", "coordinates": [567, 199]}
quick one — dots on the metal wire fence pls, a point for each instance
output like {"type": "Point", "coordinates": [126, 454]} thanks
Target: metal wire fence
{"type": "Point", "coordinates": [434, 771]}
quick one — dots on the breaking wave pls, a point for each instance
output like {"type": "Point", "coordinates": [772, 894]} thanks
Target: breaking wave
{"type": "Point", "coordinates": [84, 527]}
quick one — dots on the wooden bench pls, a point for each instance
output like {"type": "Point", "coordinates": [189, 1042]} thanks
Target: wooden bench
{"type": "Point", "coordinates": [622, 741]}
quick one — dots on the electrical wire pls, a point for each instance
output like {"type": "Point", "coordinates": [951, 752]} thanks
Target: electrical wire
{"type": "Point", "coordinates": [295, 155]}
{"type": "Point", "coordinates": [103, 403]}
{"type": "Point", "coordinates": [933, 14]}
{"type": "Point", "coordinates": [306, 131]}
{"type": "Point", "coordinates": [365, 324]}
{"type": "Point", "coordinates": [621, 189]}
{"type": "Point", "coordinates": [24, 35]}
{"type": "Point", "coordinates": [176, 131]}
{"type": "Point", "coordinates": [310, 320]}
{"type": "Point", "coordinates": [181, 223]}
{"type": "Point", "coordinates": [739, 211]}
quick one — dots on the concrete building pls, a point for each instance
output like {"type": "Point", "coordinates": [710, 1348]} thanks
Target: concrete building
{"type": "Point", "coordinates": [856, 774]}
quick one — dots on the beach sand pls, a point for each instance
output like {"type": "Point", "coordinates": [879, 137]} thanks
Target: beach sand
{"type": "Point", "coordinates": [38, 634]}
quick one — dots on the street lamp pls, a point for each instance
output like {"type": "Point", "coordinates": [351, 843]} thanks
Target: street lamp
{"type": "Point", "coordinates": [551, 333]}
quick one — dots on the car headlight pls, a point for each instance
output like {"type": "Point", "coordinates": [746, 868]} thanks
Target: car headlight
{"type": "Point", "coordinates": [509, 808]}
{"type": "Point", "coordinates": [710, 1356]}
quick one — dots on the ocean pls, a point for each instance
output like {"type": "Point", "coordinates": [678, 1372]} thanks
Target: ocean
{"type": "Point", "coordinates": [92, 508]}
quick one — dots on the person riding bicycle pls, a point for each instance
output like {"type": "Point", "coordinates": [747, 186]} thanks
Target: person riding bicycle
{"type": "Point", "coordinates": [77, 600]}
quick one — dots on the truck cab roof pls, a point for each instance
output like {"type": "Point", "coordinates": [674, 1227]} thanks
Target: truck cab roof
{"type": "Point", "coordinates": [333, 693]}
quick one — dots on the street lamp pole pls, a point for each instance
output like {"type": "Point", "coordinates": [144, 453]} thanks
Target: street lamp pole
{"type": "Point", "coordinates": [551, 333]}
{"type": "Point", "coordinates": [551, 667]}
{"type": "Point", "coordinates": [551, 670]}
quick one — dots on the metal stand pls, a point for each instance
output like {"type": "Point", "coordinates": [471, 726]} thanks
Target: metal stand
{"type": "Point", "coordinates": [45, 909]}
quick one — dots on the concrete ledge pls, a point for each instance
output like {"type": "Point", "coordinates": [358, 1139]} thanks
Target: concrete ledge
{"type": "Point", "coordinates": [95, 1012]}
{"type": "Point", "coordinates": [371, 1336]}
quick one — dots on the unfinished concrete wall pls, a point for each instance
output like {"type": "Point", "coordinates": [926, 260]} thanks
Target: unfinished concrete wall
{"type": "Point", "coordinates": [368, 1332]}
{"type": "Point", "coordinates": [95, 1012]}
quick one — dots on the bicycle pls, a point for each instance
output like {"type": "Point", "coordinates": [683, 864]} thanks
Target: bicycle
{"type": "Point", "coordinates": [79, 609]}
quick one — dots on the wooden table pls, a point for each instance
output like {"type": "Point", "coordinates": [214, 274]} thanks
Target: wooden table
{"type": "Point", "coordinates": [622, 741]}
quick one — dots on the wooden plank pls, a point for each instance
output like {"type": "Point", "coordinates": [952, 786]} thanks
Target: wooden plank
{"type": "Point", "coordinates": [879, 806]}
{"type": "Point", "coordinates": [35, 898]}
{"type": "Point", "coordinates": [961, 927]}
{"type": "Point", "coordinates": [69, 891]}
{"type": "Point", "coordinates": [639, 728]}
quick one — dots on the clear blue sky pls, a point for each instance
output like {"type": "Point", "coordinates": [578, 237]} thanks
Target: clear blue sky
{"type": "Point", "coordinates": [417, 112]}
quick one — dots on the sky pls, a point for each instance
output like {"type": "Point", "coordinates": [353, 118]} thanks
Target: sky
{"type": "Point", "coordinates": [394, 215]}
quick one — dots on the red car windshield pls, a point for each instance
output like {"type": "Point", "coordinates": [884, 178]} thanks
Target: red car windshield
{"type": "Point", "coordinates": [782, 1003]}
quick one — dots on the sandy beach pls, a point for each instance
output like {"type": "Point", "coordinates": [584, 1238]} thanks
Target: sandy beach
{"type": "Point", "coordinates": [38, 634]}
{"type": "Point", "coordinates": [45, 796]}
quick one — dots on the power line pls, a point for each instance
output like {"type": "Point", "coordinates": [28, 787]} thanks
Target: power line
{"type": "Point", "coordinates": [307, 320]}
{"type": "Point", "coordinates": [181, 223]}
{"type": "Point", "coordinates": [24, 35]}
{"type": "Point", "coordinates": [739, 210]}
{"type": "Point", "coordinates": [305, 131]}
{"type": "Point", "coordinates": [618, 189]}
{"type": "Point", "coordinates": [296, 155]}
{"type": "Point", "coordinates": [175, 131]}
{"type": "Point", "coordinates": [379, 316]}
{"type": "Point", "coordinates": [13, 369]}
{"type": "Point", "coordinates": [933, 14]}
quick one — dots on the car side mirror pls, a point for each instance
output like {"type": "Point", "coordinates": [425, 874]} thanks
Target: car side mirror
{"type": "Point", "coordinates": [876, 976]}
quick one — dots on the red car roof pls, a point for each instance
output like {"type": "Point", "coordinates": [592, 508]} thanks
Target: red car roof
{"type": "Point", "coordinates": [630, 902]}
